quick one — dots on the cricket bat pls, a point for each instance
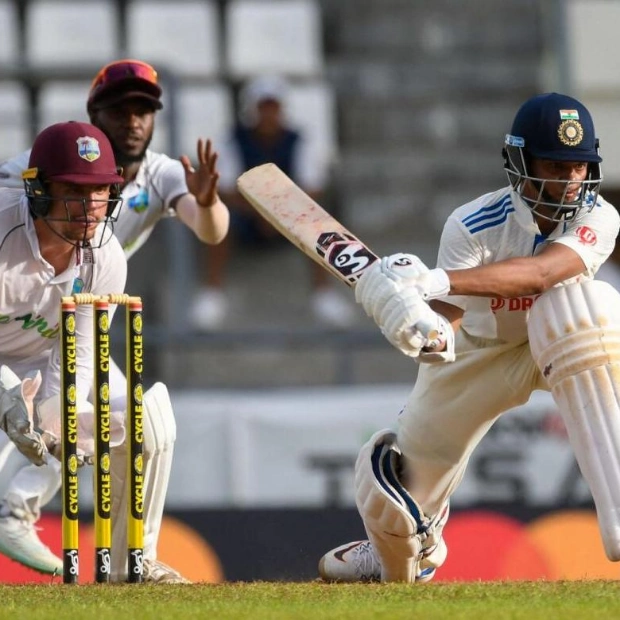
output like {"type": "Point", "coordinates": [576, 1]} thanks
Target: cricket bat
{"type": "Point", "coordinates": [307, 225]}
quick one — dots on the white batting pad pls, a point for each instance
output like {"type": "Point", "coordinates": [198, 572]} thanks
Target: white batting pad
{"type": "Point", "coordinates": [159, 438]}
{"type": "Point", "coordinates": [574, 336]}
{"type": "Point", "coordinates": [405, 541]}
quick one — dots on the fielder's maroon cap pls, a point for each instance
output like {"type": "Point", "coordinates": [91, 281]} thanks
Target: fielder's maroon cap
{"type": "Point", "coordinates": [74, 152]}
{"type": "Point", "coordinates": [122, 80]}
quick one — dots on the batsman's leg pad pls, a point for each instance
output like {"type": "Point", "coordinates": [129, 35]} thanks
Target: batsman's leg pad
{"type": "Point", "coordinates": [574, 336]}
{"type": "Point", "coordinates": [407, 543]}
{"type": "Point", "coordinates": [159, 438]}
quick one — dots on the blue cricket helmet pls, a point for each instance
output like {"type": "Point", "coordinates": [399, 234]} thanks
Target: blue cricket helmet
{"type": "Point", "coordinates": [555, 127]}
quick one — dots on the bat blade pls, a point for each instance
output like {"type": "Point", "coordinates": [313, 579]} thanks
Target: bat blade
{"type": "Point", "coordinates": [305, 223]}
{"type": "Point", "coordinates": [308, 226]}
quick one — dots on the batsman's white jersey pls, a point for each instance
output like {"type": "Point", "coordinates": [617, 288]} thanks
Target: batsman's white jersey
{"type": "Point", "coordinates": [453, 405]}
{"type": "Point", "coordinates": [146, 199]}
{"type": "Point", "coordinates": [30, 295]}
{"type": "Point", "coordinates": [498, 226]}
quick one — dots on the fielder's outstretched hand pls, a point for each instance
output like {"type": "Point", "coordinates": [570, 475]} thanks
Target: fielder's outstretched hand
{"type": "Point", "coordinates": [202, 181]}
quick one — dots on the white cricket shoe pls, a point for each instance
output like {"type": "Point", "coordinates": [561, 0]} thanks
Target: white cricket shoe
{"type": "Point", "coordinates": [356, 561]}
{"type": "Point", "coordinates": [331, 308]}
{"type": "Point", "coordinates": [352, 562]}
{"type": "Point", "coordinates": [158, 572]}
{"type": "Point", "coordinates": [209, 309]}
{"type": "Point", "coordinates": [20, 542]}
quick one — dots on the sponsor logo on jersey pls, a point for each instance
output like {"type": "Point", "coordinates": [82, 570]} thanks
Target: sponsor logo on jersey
{"type": "Point", "coordinates": [586, 235]}
{"type": "Point", "coordinates": [78, 286]}
{"type": "Point", "coordinates": [513, 304]}
{"type": "Point", "coordinates": [29, 321]}
{"type": "Point", "coordinates": [139, 202]}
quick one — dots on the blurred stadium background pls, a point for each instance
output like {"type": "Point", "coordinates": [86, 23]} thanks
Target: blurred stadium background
{"type": "Point", "coordinates": [410, 99]}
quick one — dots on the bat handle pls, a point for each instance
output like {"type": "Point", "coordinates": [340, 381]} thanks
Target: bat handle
{"type": "Point", "coordinates": [428, 330]}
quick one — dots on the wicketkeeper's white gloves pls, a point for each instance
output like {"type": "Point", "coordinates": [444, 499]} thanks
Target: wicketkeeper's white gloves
{"type": "Point", "coordinates": [16, 413]}
{"type": "Point", "coordinates": [393, 292]}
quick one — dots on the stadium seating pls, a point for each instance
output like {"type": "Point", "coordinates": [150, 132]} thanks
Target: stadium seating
{"type": "Point", "coordinates": [67, 34]}
{"type": "Point", "coordinates": [312, 109]}
{"type": "Point", "coordinates": [274, 36]}
{"type": "Point", "coordinates": [61, 101]}
{"type": "Point", "coordinates": [8, 33]}
{"type": "Point", "coordinates": [183, 36]}
{"type": "Point", "coordinates": [205, 111]}
{"type": "Point", "coordinates": [593, 73]}
{"type": "Point", "coordinates": [14, 119]}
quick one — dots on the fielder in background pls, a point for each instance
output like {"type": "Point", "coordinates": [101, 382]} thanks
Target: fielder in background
{"type": "Point", "coordinates": [56, 240]}
{"type": "Point", "coordinates": [123, 101]}
{"type": "Point", "coordinates": [264, 134]}
{"type": "Point", "coordinates": [515, 308]}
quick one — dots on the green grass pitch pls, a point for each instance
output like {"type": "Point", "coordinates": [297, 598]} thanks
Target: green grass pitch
{"type": "Point", "coordinates": [566, 600]}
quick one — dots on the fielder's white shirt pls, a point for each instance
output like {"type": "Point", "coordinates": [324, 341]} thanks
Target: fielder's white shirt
{"type": "Point", "coordinates": [498, 226]}
{"type": "Point", "coordinates": [30, 295]}
{"type": "Point", "coordinates": [146, 199]}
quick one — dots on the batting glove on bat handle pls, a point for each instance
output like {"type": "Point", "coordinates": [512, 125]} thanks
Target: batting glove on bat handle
{"type": "Point", "coordinates": [439, 346]}
{"type": "Point", "coordinates": [428, 330]}
{"type": "Point", "coordinates": [407, 270]}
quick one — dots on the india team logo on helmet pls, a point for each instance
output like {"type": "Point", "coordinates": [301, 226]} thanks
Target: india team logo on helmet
{"type": "Point", "coordinates": [570, 130]}
{"type": "Point", "coordinates": [88, 148]}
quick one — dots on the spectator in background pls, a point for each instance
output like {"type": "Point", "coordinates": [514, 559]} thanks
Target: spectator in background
{"type": "Point", "coordinates": [264, 135]}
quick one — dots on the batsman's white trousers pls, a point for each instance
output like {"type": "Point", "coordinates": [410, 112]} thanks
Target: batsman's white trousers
{"type": "Point", "coordinates": [453, 405]}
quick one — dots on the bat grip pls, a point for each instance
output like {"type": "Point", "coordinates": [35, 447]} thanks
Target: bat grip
{"type": "Point", "coordinates": [431, 333]}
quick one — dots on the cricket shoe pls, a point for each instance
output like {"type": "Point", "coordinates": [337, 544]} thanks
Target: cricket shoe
{"type": "Point", "coordinates": [352, 562]}
{"type": "Point", "coordinates": [20, 542]}
{"type": "Point", "coordinates": [158, 572]}
{"type": "Point", "coordinates": [356, 561]}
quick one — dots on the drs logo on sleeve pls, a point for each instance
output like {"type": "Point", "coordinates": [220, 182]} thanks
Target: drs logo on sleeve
{"type": "Point", "coordinates": [345, 253]}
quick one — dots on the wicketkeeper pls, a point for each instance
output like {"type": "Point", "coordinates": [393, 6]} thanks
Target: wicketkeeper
{"type": "Point", "coordinates": [123, 101]}
{"type": "Point", "coordinates": [55, 241]}
{"type": "Point", "coordinates": [514, 308]}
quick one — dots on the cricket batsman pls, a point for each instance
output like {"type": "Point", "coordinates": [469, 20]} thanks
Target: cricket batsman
{"type": "Point", "coordinates": [514, 308]}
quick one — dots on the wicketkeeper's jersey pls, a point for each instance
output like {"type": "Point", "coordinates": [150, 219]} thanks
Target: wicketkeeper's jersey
{"type": "Point", "coordinates": [30, 296]}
